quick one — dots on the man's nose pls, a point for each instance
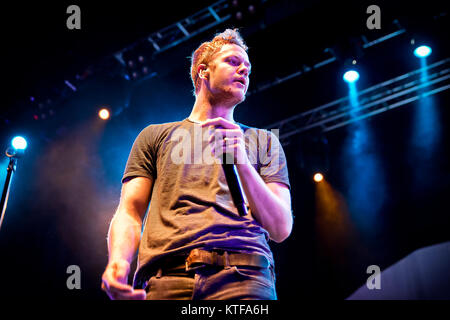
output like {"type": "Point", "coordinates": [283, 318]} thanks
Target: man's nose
{"type": "Point", "coordinates": [243, 70]}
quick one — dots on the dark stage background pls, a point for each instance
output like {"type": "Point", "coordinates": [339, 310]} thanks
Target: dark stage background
{"type": "Point", "coordinates": [389, 195]}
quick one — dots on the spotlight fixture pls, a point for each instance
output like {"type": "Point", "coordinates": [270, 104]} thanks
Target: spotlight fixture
{"type": "Point", "coordinates": [19, 143]}
{"type": "Point", "coordinates": [351, 76]}
{"type": "Point", "coordinates": [422, 51]}
{"type": "Point", "coordinates": [104, 114]}
{"type": "Point", "coordinates": [318, 177]}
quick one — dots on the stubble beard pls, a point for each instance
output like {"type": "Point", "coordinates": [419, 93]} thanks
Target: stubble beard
{"type": "Point", "coordinates": [226, 97]}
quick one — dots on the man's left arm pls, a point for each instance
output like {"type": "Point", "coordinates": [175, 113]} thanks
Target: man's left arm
{"type": "Point", "coordinates": [270, 203]}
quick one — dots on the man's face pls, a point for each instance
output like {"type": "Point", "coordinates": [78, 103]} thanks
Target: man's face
{"type": "Point", "coordinates": [228, 74]}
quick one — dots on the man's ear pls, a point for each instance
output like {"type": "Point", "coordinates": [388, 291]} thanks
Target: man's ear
{"type": "Point", "coordinates": [203, 71]}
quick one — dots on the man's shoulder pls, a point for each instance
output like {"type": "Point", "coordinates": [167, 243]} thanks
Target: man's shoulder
{"type": "Point", "coordinates": [155, 128]}
{"type": "Point", "coordinates": [246, 128]}
{"type": "Point", "coordinates": [259, 132]}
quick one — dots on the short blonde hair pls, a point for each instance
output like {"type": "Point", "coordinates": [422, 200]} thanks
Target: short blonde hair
{"type": "Point", "coordinates": [204, 53]}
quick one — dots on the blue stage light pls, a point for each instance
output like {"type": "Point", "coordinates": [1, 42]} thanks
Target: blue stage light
{"type": "Point", "coordinates": [19, 143]}
{"type": "Point", "coordinates": [351, 76]}
{"type": "Point", "coordinates": [422, 51]}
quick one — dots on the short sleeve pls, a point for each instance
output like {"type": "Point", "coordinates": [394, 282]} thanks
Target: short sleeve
{"type": "Point", "coordinates": [142, 158]}
{"type": "Point", "coordinates": [272, 159]}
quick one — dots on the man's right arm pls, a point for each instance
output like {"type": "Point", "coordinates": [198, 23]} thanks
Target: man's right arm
{"type": "Point", "coordinates": [124, 237]}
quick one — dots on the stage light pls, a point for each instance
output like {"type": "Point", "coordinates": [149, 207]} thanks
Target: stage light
{"type": "Point", "coordinates": [351, 76]}
{"type": "Point", "coordinates": [318, 177]}
{"type": "Point", "coordinates": [103, 114]}
{"type": "Point", "coordinates": [422, 51]}
{"type": "Point", "coordinates": [19, 143]}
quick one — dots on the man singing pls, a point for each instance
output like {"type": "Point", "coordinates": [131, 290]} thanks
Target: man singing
{"type": "Point", "coordinates": [194, 242]}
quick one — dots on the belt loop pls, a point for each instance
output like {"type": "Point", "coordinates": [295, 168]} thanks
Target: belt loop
{"type": "Point", "coordinates": [227, 261]}
{"type": "Point", "coordinates": [159, 273]}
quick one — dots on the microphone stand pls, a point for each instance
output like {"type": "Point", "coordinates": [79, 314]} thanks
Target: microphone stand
{"type": "Point", "coordinates": [13, 155]}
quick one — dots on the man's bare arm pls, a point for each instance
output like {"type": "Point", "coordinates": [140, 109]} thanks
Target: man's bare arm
{"type": "Point", "coordinates": [124, 237]}
{"type": "Point", "coordinates": [270, 202]}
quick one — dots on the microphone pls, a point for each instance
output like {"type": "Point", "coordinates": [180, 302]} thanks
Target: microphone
{"type": "Point", "coordinates": [233, 183]}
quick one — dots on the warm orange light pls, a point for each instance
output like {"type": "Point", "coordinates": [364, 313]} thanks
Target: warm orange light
{"type": "Point", "coordinates": [318, 177]}
{"type": "Point", "coordinates": [104, 114]}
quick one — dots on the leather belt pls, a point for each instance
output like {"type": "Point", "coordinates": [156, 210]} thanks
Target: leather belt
{"type": "Point", "coordinates": [199, 258]}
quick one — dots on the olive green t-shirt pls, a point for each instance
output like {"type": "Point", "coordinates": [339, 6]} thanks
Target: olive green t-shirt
{"type": "Point", "coordinates": [191, 205]}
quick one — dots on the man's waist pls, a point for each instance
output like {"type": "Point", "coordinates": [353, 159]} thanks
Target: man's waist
{"type": "Point", "coordinates": [223, 258]}
{"type": "Point", "coordinates": [187, 263]}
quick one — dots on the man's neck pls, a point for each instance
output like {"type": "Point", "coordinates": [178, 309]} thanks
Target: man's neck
{"type": "Point", "coordinates": [203, 110]}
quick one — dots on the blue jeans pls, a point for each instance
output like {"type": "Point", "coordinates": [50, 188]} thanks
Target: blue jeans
{"type": "Point", "coordinates": [233, 283]}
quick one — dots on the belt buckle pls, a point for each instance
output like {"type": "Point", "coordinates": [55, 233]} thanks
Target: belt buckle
{"type": "Point", "coordinates": [188, 267]}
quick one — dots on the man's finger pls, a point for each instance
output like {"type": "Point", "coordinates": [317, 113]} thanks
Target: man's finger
{"type": "Point", "coordinates": [119, 293]}
{"type": "Point", "coordinates": [139, 294]}
{"type": "Point", "coordinates": [220, 122]}
{"type": "Point", "coordinates": [114, 285]}
{"type": "Point", "coordinates": [227, 132]}
{"type": "Point", "coordinates": [132, 295]}
{"type": "Point", "coordinates": [105, 286]}
{"type": "Point", "coordinates": [120, 287]}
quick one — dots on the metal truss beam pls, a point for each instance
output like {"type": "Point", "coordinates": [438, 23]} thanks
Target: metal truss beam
{"type": "Point", "coordinates": [189, 27]}
{"type": "Point", "coordinates": [374, 100]}
{"type": "Point", "coordinates": [324, 62]}
{"type": "Point", "coordinates": [185, 29]}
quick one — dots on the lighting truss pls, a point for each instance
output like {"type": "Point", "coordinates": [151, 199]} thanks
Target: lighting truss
{"type": "Point", "coordinates": [185, 29]}
{"type": "Point", "coordinates": [191, 26]}
{"type": "Point", "coordinates": [328, 58]}
{"type": "Point", "coordinates": [374, 100]}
